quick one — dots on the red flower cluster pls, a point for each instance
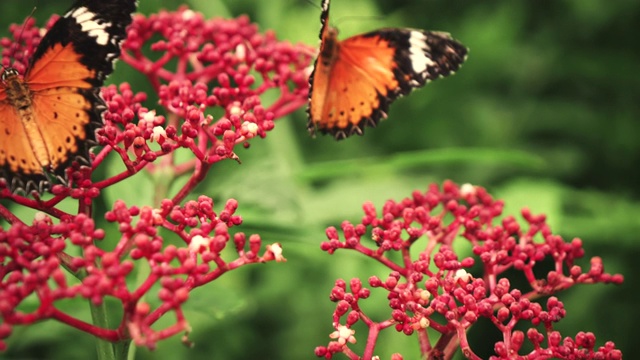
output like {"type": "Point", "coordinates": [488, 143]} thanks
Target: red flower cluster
{"type": "Point", "coordinates": [214, 65]}
{"type": "Point", "coordinates": [434, 288]}
{"type": "Point", "coordinates": [225, 53]}
{"type": "Point", "coordinates": [33, 259]}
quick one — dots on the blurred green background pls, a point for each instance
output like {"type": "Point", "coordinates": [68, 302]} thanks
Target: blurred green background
{"type": "Point", "coordinates": [543, 114]}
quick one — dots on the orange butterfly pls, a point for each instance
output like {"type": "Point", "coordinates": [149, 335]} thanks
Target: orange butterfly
{"type": "Point", "coordinates": [354, 80]}
{"type": "Point", "coordinates": [48, 117]}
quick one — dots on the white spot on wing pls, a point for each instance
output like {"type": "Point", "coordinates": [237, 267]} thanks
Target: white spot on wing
{"type": "Point", "coordinates": [96, 30]}
{"type": "Point", "coordinates": [417, 48]}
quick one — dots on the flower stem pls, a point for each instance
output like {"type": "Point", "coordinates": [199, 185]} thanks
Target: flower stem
{"type": "Point", "coordinates": [103, 347]}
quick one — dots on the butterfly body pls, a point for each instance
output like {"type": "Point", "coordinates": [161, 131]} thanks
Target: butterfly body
{"type": "Point", "coordinates": [49, 116]}
{"type": "Point", "coordinates": [355, 80]}
{"type": "Point", "coordinates": [17, 93]}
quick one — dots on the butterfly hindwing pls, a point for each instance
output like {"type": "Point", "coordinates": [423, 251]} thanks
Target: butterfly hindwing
{"type": "Point", "coordinates": [16, 154]}
{"type": "Point", "coordinates": [354, 80]}
{"type": "Point", "coordinates": [48, 118]}
{"type": "Point", "coordinates": [71, 130]}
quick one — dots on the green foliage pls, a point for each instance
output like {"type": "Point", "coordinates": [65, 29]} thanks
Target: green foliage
{"type": "Point", "coordinates": [544, 114]}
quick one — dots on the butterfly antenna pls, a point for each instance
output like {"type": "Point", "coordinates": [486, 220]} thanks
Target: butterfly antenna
{"type": "Point", "coordinates": [16, 43]}
{"type": "Point", "coordinates": [314, 4]}
{"type": "Point", "coordinates": [24, 25]}
{"type": "Point", "coordinates": [358, 17]}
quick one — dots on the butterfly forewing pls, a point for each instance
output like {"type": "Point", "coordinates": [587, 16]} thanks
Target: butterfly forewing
{"type": "Point", "coordinates": [59, 66]}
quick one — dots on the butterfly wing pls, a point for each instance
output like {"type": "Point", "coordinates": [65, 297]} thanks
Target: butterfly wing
{"type": "Point", "coordinates": [16, 152]}
{"type": "Point", "coordinates": [355, 80]}
{"type": "Point", "coordinates": [352, 90]}
{"type": "Point", "coordinates": [63, 82]}
{"type": "Point", "coordinates": [421, 56]}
